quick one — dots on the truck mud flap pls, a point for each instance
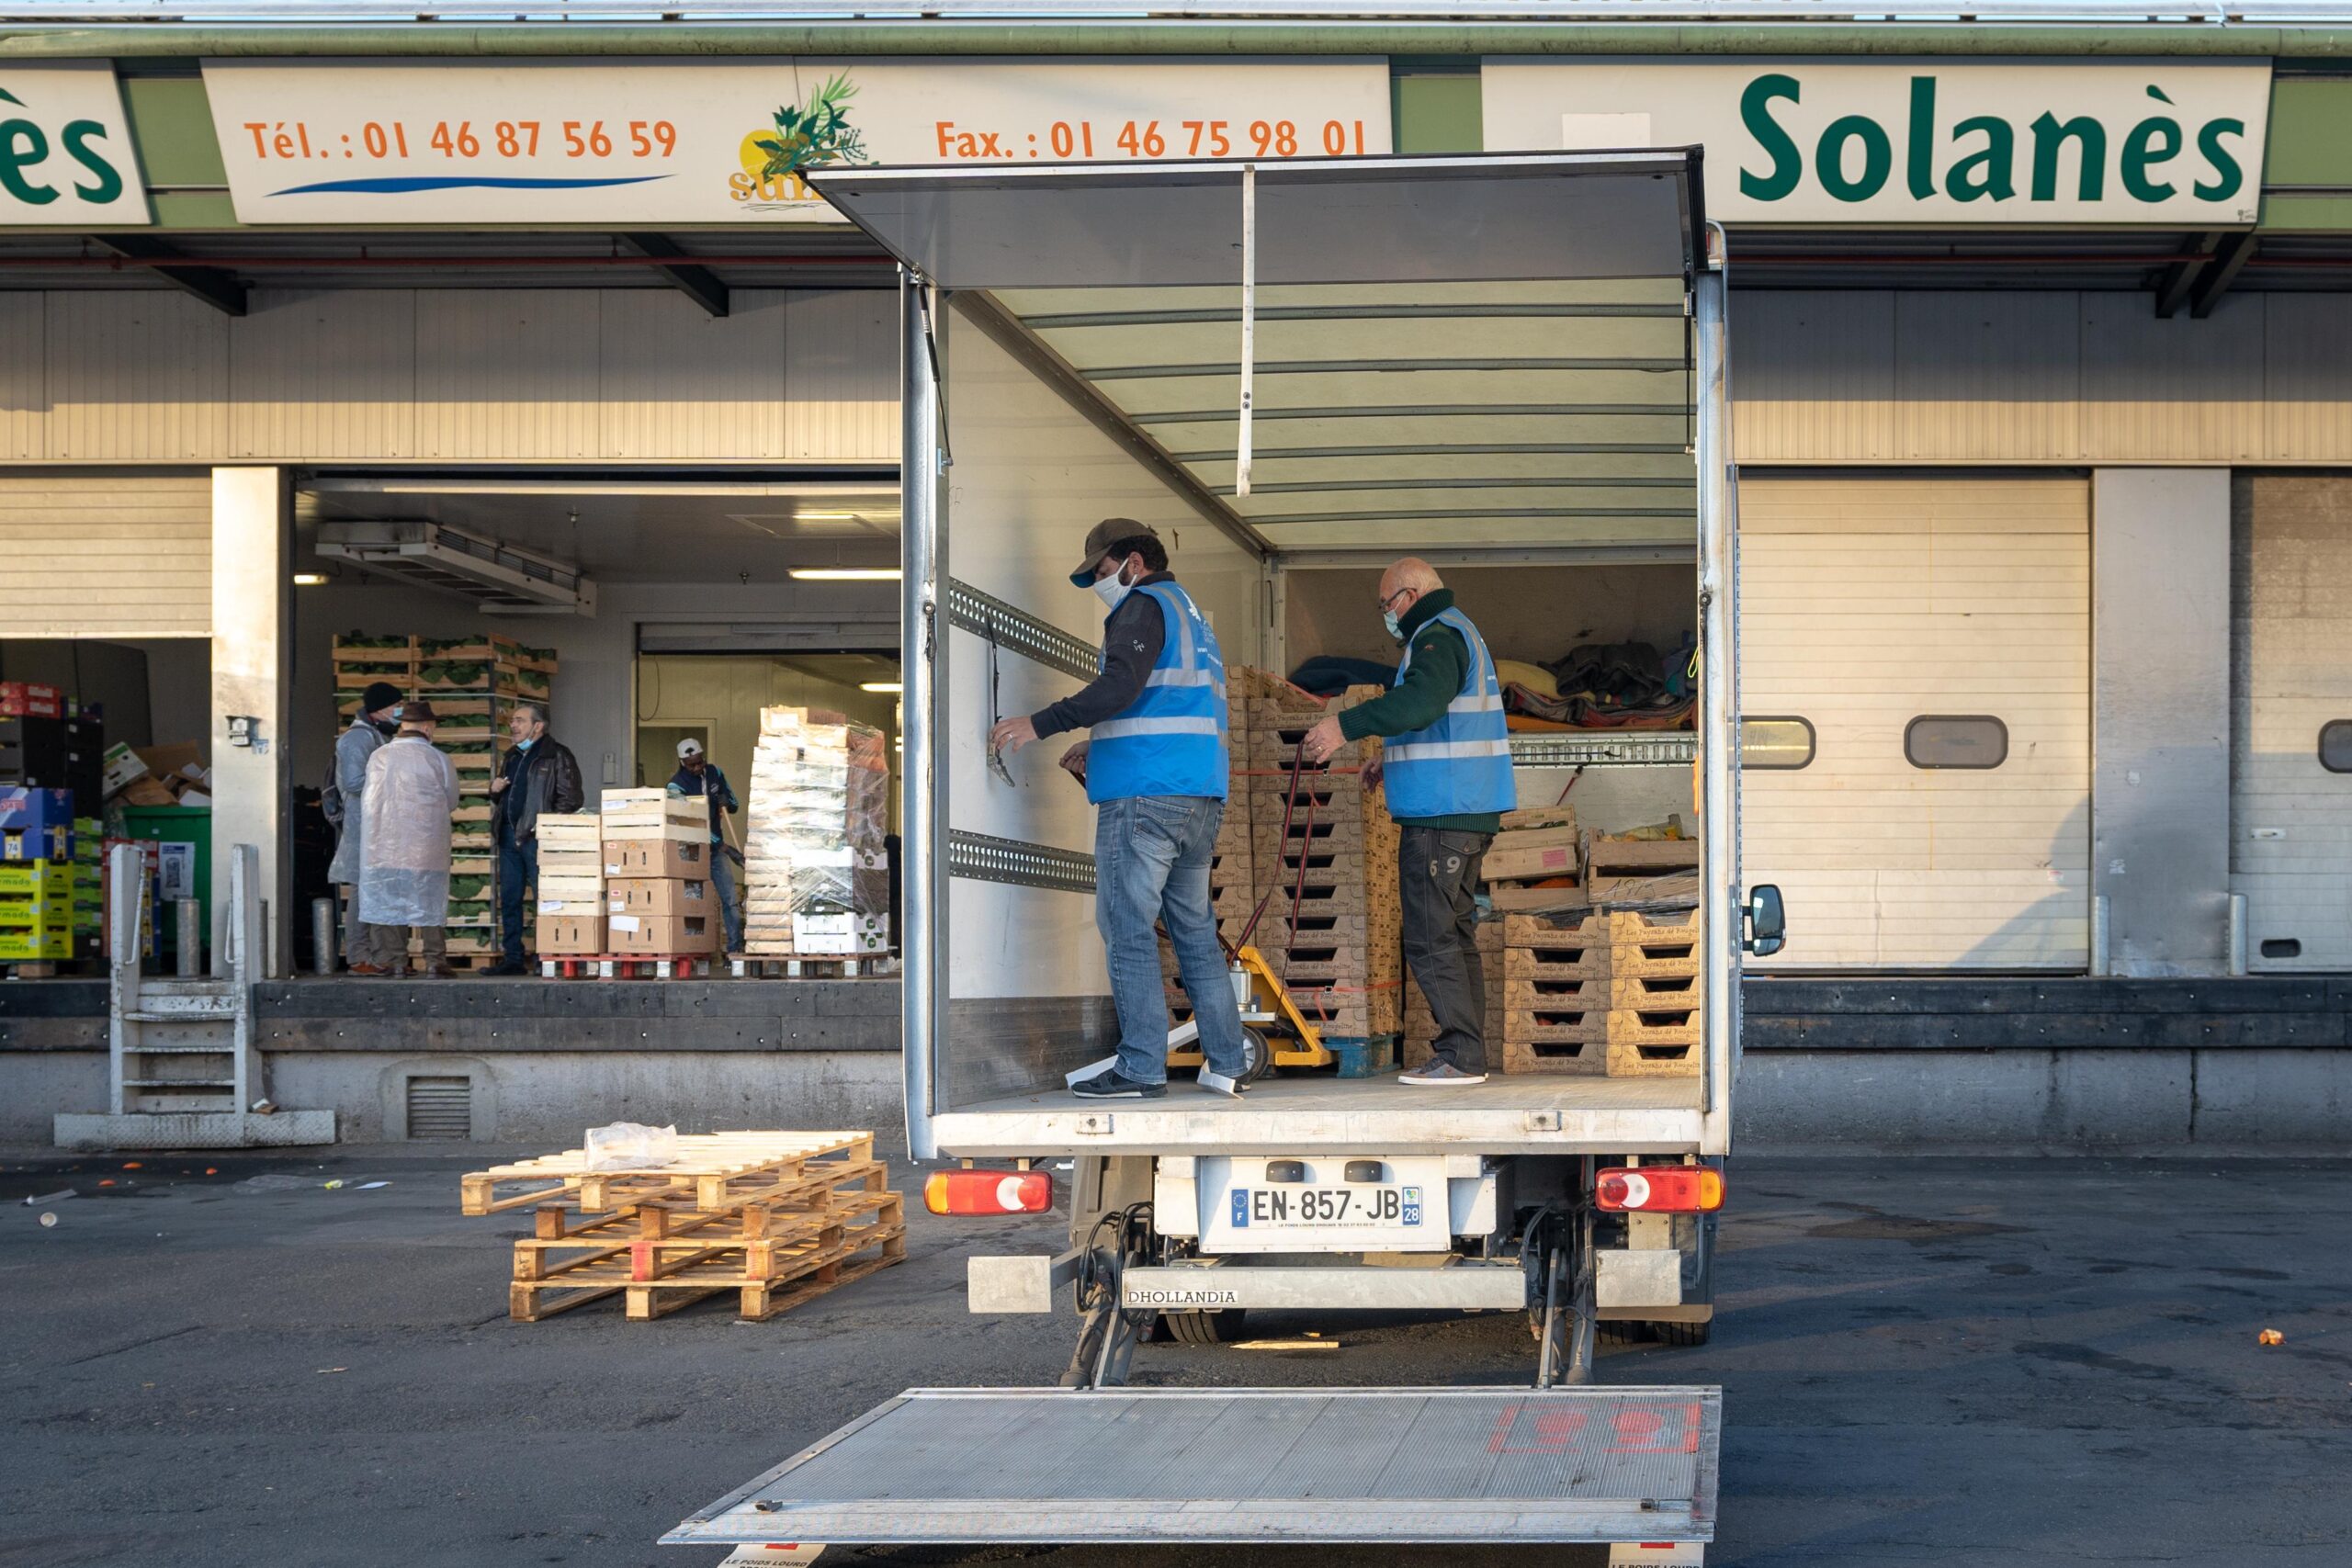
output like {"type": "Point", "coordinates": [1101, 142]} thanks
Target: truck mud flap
{"type": "Point", "coordinates": [1055, 1466]}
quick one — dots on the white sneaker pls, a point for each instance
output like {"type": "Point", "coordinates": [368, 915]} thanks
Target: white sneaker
{"type": "Point", "coordinates": [1438, 1073]}
{"type": "Point", "coordinates": [1217, 1083]}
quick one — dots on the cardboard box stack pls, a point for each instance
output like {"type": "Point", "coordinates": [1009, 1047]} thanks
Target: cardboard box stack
{"type": "Point", "coordinates": [659, 900]}
{"type": "Point", "coordinates": [816, 869]}
{"type": "Point", "coordinates": [570, 917]}
{"type": "Point", "coordinates": [49, 741]}
{"type": "Point", "coordinates": [1595, 991]}
{"type": "Point", "coordinates": [1322, 854]}
{"type": "Point", "coordinates": [52, 904]}
{"type": "Point", "coordinates": [473, 683]}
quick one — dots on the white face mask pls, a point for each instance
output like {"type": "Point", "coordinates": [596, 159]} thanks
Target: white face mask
{"type": "Point", "coordinates": [1114, 587]}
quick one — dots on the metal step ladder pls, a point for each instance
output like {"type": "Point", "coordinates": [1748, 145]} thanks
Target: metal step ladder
{"type": "Point", "coordinates": [183, 1071]}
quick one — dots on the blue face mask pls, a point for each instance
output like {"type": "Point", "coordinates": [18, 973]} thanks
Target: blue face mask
{"type": "Point", "coordinates": [526, 745]}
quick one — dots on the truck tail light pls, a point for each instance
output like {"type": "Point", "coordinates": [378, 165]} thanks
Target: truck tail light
{"type": "Point", "coordinates": [1659, 1190]}
{"type": "Point", "coordinates": [987, 1192]}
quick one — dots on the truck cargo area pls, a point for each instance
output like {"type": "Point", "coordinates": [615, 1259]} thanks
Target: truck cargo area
{"type": "Point", "coordinates": [1258, 1466]}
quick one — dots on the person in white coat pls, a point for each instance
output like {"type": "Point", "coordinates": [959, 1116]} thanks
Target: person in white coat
{"type": "Point", "coordinates": [405, 837]}
{"type": "Point", "coordinates": [368, 949]}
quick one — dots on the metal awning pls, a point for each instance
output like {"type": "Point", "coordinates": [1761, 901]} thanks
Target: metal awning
{"type": "Point", "coordinates": [1198, 1466]}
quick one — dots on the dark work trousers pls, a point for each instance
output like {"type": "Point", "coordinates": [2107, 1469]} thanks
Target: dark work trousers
{"type": "Point", "coordinates": [1438, 870]}
{"type": "Point", "coordinates": [518, 864]}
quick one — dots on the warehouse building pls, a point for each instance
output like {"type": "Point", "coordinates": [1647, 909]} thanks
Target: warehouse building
{"type": "Point", "coordinates": [2045, 451]}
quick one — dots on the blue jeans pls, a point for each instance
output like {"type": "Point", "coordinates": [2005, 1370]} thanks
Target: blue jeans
{"type": "Point", "coordinates": [722, 881]}
{"type": "Point", "coordinates": [1151, 862]}
{"type": "Point", "coordinates": [518, 864]}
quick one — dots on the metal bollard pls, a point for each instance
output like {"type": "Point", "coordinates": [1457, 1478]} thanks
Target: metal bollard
{"type": "Point", "coordinates": [322, 936]}
{"type": "Point", "coordinates": [187, 927]}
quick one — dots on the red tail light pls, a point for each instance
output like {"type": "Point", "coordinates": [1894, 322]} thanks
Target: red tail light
{"type": "Point", "coordinates": [1661, 1190]}
{"type": "Point", "coordinates": [988, 1192]}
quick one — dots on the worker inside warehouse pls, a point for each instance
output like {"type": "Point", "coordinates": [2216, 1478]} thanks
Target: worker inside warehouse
{"type": "Point", "coordinates": [697, 775]}
{"type": "Point", "coordinates": [540, 777]}
{"type": "Point", "coordinates": [1446, 768]}
{"type": "Point", "coordinates": [1155, 764]}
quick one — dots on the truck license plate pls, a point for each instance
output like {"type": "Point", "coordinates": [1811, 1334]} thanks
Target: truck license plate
{"type": "Point", "coordinates": [1300, 1206]}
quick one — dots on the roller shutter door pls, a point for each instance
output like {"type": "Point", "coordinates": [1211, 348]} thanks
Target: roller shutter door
{"type": "Point", "coordinates": [2290, 816]}
{"type": "Point", "coordinates": [106, 555]}
{"type": "Point", "coordinates": [1867, 605]}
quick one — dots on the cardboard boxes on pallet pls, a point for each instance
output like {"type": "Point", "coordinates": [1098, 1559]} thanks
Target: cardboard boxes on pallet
{"type": "Point", "coordinates": [816, 879]}
{"type": "Point", "coordinates": [649, 912]}
{"type": "Point", "coordinates": [570, 917]}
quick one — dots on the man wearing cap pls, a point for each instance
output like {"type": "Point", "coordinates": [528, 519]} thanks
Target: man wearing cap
{"type": "Point", "coordinates": [1447, 770]}
{"type": "Point", "coordinates": [1154, 766]}
{"type": "Point", "coordinates": [541, 775]}
{"type": "Point", "coordinates": [404, 880]}
{"type": "Point", "coordinates": [697, 775]}
{"type": "Point", "coordinates": [367, 948]}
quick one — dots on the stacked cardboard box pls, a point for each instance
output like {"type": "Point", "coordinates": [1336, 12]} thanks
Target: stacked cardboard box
{"type": "Point", "coordinates": [1600, 991]}
{"type": "Point", "coordinates": [51, 905]}
{"type": "Point", "coordinates": [570, 916]}
{"type": "Point", "coordinates": [1319, 851]}
{"type": "Point", "coordinates": [658, 901]}
{"type": "Point", "coordinates": [816, 869]}
{"type": "Point", "coordinates": [473, 683]}
{"type": "Point", "coordinates": [1653, 999]}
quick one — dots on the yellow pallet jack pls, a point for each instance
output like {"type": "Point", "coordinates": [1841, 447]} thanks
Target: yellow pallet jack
{"type": "Point", "coordinates": [1274, 1030]}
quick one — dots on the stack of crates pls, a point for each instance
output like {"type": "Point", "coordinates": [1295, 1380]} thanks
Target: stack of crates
{"type": "Point", "coordinates": [658, 899]}
{"type": "Point", "coordinates": [1655, 1022]}
{"type": "Point", "coordinates": [1321, 855]}
{"type": "Point", "coordinates": [1595, 992]}
{"type": "Point", "coordinates": [571, 921]}
{"type": "Point", "coordinates": [52, 902]}
{"type": "Point", "coordinates": [473, 683]}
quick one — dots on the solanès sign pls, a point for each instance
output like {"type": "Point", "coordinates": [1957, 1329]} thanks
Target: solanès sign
{"type": "Point", "coordinates": [65, 155]}
{"type": "Point", "coordinates": [2011, 143]}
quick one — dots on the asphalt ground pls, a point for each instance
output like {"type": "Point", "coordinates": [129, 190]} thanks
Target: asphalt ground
{"type": "Point", "coordinates": [1923, 1362]}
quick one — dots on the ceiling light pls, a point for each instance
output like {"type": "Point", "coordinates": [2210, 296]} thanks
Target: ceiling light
{"type": "Point", "coordinates": [845, 574]}
{"type": "Point", "coordinates": [826, 516]}
{"type": "Point", "coordinates": [311, 580]}
{"type": "Point", "coordinates": [890, 688]}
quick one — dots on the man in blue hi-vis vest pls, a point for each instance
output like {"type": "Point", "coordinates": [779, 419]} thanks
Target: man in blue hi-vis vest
{"type": "Point", "coordinates": [1446, 767]}
{"type": "Point", "coordinates": [1155, 765]}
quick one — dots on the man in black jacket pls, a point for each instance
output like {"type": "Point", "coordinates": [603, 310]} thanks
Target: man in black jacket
{"type": "Point", "coordinates": [541, 776]}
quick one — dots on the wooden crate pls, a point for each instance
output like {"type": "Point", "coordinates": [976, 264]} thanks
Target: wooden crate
{"type": "Point", "coordinates": [1612, 863]}
{"type": "Point", "coordinates": [1646, 945]}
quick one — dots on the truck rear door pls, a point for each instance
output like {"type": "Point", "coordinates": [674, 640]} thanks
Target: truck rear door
{"type": "Point", "coordinates": [1013, 450]}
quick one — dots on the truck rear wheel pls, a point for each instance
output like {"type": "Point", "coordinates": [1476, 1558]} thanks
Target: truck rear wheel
{"type": "Point", "coordinates": [1205, 1327]}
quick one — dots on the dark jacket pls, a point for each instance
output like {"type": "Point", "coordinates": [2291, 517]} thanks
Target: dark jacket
{"type": "Point", "coordinates": [544, 779]}
{"type": "Point", "coordinates": [1131, 638]}
{"type": "Point", "coordinates": [712, 781]}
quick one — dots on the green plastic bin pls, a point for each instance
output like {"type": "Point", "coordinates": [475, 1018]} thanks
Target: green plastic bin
{"type": "Point", "coordinates": [190, 824]}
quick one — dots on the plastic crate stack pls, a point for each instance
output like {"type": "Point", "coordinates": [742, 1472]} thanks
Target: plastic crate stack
{"type": "Point", "coordinates": [817, 878]}
{"type": "Point", "coordinates": [52, 903]}
{"type": "Point", "coordinates": [1322, 857]}
{"type": "Point", "coordinates": [473, 683]}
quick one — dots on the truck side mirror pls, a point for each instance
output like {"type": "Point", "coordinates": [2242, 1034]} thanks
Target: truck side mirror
{"type": "Point", "coordinates": [1768, 923]}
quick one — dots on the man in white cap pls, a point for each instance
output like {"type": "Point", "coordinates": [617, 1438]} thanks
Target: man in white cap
{"type": "Point", "coordinates": [697, 775]}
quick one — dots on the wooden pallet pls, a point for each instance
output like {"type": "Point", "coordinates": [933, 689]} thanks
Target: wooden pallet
{"type": "Point", "coordinates": [627, 966]}
{"type": "Point", "coordinates": [715, 1171]}
{"type": "Point", "coordinates": [810, 966]}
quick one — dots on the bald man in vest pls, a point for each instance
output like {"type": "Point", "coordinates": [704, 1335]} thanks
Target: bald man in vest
{"type": "Point", "coordinates": [1155, 764]}
{"type": "Point", "coordinates": [1447, 769]}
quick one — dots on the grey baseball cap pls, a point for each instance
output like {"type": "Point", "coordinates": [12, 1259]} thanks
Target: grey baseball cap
{"type": "Point", "coordinates": [1101, 537]}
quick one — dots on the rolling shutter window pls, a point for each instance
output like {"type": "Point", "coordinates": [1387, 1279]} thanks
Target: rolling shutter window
{"type": "Point", "coordinates": [106, 555]}
{"type": "Point", "coordinates": [1873, 604]}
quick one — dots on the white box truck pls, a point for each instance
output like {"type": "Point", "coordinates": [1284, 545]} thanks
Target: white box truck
{"type": "Point", "coordinates": [1513, 366]}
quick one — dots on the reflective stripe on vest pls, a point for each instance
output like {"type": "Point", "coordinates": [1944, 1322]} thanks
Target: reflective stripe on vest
{"type": "Point", "coordinates": [1461, 763]}
{"type": "Point", "coordinates": [1171, 740]}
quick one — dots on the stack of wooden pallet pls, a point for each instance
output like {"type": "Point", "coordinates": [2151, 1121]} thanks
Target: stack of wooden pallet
{"type": "Point", "coordinates": [776, 1217]}
{"type": "Point", "coordinates": [1319, 851]}
{"type": "Point", "coordinates": [1595, 992]}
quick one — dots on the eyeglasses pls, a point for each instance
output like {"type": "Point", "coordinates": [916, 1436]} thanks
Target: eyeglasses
{"type": "Point", "coordinates": [1391, 599]}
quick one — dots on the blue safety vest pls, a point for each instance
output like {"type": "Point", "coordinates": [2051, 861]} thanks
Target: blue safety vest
{"type": "Point", "coordinates": [1170, 740]}
{"type": "Point", "coordinates": [1461, 763]}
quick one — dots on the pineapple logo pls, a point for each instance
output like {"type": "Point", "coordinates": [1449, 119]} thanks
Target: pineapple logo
{"type": "Point", "coordinates": [802, 137]}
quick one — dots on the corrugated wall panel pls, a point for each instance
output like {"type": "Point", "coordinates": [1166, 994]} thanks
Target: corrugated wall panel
{"type": "Point", "coordinates": [115, 554]}
{"type": "Point", "coordinates": [319, 374]}
{"type": "Point", "coordinates": [1988, 377]}
{"type": "Point", "coordinates": [678, 383]}
{"type": "Point", "coordinates": [1865, 603]}
{"type": "Point", "coordinates": [508, 374]}
{"type": "Point", "coordinates": [842, 375]}
{"type": "Point", "coordinates": [2309, 340]}
{"type": "Point", "coordinates": [2291, 675]}
{"type": "Point", "coordinates": [1813, 375]}
{"type": "Point", "coordinates": [2189, 390]}
{"type": "Point", "coordinates": [24, 376]}
{"type": "Point", "coordinates": [135, 378]}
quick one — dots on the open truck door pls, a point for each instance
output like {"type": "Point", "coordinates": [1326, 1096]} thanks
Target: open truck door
{"type": "Point", "coordinates": [1196, 281]}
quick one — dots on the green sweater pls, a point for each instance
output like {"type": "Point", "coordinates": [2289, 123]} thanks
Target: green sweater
{"type": "Point", "coordinates": [1441, 660]}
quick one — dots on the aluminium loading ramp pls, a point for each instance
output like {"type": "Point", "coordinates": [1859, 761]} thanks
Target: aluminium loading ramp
{"type": "Point", "coordinates": [1257, 1466]}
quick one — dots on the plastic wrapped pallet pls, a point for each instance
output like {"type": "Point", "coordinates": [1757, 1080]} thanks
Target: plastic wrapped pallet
{"type": "Point", "coordinates": [816, 870]}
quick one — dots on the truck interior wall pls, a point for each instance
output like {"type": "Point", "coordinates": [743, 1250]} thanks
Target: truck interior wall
{"type": "Point", "coordinates": [1027, 988]}
{"type": "Point", "coordinates": [1526, 611]}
